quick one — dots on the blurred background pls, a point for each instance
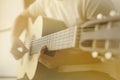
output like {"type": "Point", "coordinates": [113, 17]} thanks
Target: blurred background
{"type": "Point", "coordinates": [9, 9]}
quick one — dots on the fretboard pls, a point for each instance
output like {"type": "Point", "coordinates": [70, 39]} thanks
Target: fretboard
{"type": "Point", "coordinates": [57, 41]}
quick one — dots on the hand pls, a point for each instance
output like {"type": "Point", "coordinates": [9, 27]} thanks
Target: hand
{"type": "Point", "coordinates": [54, 59]}
{"type": "Point", "coordinates": [16, 45]}
{"type": "Point", "coordinates": [47, 58]}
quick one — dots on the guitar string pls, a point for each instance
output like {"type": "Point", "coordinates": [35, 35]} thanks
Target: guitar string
{"type": "Point", "coordinates": [78, 24]}
{"type": "Point", "coordinates": [59, 43]}
{"type": "Point", "coordinates": [37, 42]}
{"type": "Point", "coordinates": [36, 47]}
{"type": "Point", "coordinates": [55, 33]}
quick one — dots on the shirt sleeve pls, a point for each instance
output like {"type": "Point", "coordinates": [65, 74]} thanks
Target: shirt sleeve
{"type": "Point", "coordinates": [37, 8]}
{"type": "Point", "coordinates": [91, 8]}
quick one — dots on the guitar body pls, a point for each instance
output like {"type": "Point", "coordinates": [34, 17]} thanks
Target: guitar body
{"type": "Point", "coordinates": [41, 27]}
{"type": "Point", "coordinates": [44, 26]}
{"type": "Point", "coordinates": [28, 63]}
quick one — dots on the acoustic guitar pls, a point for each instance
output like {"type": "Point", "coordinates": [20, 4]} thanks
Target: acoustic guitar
{"type": "Point", "coordinates": [100, 36]}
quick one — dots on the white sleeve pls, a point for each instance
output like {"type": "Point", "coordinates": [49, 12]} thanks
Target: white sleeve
{"type": "Point", "coordinates": [91, 8]}
{"type": "Point", "coordinates": [37, 8]}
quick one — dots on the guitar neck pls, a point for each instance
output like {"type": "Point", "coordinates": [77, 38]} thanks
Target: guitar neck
{"type": "Point", "coordinates": [57, 41]}
{"type": "Point", "coordinates": [92, 36]}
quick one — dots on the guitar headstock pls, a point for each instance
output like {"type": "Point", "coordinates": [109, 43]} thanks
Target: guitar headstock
{"type": "Point", "coordinates": [101, 37]}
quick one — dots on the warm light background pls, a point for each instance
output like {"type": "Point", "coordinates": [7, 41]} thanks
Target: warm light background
{"type": "Point", "coordinates": [9, 9]}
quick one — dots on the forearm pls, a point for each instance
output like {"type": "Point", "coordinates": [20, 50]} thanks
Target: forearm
{"type": "Point", "coordinates": [21, 23]}
{"type": "Point", "coordinates": [19, 26]}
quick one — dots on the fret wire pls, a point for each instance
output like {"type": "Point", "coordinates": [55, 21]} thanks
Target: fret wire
{"type": "Point", "coordinates": [39, 40]}
{"type": "Point", "coordinates": [55, 39]}
{"type": "Point", "coordinates": [56, 33]}
{"type": "Point", "coordinates": [36, 43]}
